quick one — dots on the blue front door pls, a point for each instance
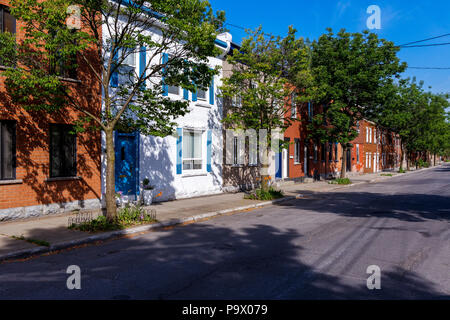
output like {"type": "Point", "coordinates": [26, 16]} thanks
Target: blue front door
{"type": "Point", "coordinates": [127, 168]}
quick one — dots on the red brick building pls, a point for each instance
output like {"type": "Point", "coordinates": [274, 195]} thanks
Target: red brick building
{"type": "Point", "coordinates": [372, 151]}
{"type": "Point", "coordinates": [44, 168]}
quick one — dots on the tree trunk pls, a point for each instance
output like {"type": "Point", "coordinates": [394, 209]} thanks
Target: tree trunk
{"type": "Point", "coordinates": [434, 160]}
{"type": "Point", "coordinates": [344, 162]}
{"type": "Point", "coordinates": [402, 157]}
{"type": "Point", "coordinates": [408, 161]}
{"type": "Point", "coordinates": [111, 207]}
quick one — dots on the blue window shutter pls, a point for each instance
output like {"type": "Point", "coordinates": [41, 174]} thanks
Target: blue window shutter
{"type": "Point", "coordinates": [208, 151]}
{"type": "Point", "coordinates": [211, 91]}
{"type": "Point", "coordinates": [194, 94]}
{"type": "Point", "coordinates": [142, 63]}
{"type": "Point", "coordinates": [180, 151]}
{"type": "Point", "coordinates": [165, 58]}
{"type": "Point", "coordinates": [114, 81]}
{"type": "Point", "coordinates": [185, 94]}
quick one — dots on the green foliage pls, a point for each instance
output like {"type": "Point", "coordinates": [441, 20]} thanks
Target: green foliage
{"type": "Point", "coordinates": [351, 71]}
{"type": "Point", "coordinates": [262, 69]}
{"type": "Point", "coordinates": [401, 170]}
{"type": "Point", "coordinates": [343, 181]}
{"type": "Point", "coordinates": [37, 82]}
{"type": "Point", "coordinates": [261, 194]}
{"type": "Point", "coordinates": [386, 174]}
{"type": "Point", "coordinates": [127, 217]}
{"type": "Point", "coordinates": [37, 242]}
{"type": "Point", "coordinates": [422, 164]}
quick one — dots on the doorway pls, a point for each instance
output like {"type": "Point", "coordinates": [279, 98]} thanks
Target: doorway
{"type": "Point", "coordinates": [127, 163]}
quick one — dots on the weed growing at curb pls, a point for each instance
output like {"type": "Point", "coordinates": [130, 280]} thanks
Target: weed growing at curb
{"type": "Point", "coordinates": [33, 241]}
{"type": "Point", "coordinates": [260, 194]}
{"type": "Point", "coordinates": [386, 175]}
{"type": "Point", "coordinates": [343, 181]}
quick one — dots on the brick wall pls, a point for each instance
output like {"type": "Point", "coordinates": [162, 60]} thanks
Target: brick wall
{"type": "Point", "coordinates": [32, 148]}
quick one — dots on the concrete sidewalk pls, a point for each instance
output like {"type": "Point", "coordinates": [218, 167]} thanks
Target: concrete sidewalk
{"type": "Point", "coordinates": [54, 231]}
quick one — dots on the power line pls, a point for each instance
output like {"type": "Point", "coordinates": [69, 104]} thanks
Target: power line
{"type": "Point", "coordinates": [441, 36]}
{"type": "Point", "coordinates": [429, 68]}
{"type": "Point", "coordinates": [426, 45]}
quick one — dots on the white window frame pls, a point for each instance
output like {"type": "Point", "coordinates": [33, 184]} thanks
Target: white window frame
{"type": "Point", "coordinates": [202, 147]}
{"type": "Point", "coordinates": [297, 148]}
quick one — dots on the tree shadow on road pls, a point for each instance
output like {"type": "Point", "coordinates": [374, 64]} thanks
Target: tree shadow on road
{"type": "Point", "coordinates": [208, 260]}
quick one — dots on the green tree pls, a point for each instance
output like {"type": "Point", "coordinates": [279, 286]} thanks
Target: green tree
{"type": "Point", "coordinates": [111, 33]}
{"type": "Point", "coordinates": [351, 72]}
{"type": "Point", "coordinates": [261, 73]}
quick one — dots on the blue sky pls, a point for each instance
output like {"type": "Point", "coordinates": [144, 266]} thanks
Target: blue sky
{"type": "Point", "coordinates": [401, 21]}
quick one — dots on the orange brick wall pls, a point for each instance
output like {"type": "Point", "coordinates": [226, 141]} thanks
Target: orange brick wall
{"type": "Point", "coordinates": [32, 148]}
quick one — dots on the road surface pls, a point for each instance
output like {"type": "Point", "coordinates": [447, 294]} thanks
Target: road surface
{"type": "Point", "coordinates": [318, 247]}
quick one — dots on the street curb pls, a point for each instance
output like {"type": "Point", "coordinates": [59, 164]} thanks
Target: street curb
{"type": "Point", "coordinates": [21, 254]}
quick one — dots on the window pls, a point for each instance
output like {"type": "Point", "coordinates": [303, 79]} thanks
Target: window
{"type": "Point", "coordinates": [252, 152]}
{"type": "Point", "coordinates": [7, 21]}
{"type": "Point", "coordinates": [336, 152]}
{"type": "Point", "coordinates": [293, 106]}
{"type": "Point", "coordinates": [235, 150]}
{"type": "Point", "coordinates": [330, 152]}
{"type": "Point", "coordinates": [370, 135]}
{"type": "Point", "coordinates": [8, 150]}
{"type": "Point", "coordinates": [315, 152]}
{"type": "Point", "coordinates": [63, 65]}
{"type": "Point", "coordinates": [357, 153]}
{"type": "Point", "coordinates": [369, 158]}
{"type": "Point", "coordinates": [297, 151]}
{"type": "Point", "coordinates": [128, 66]}
{"type": "Point", "coordinates": [310, 111]}
{"type": "Point", "coordinates": [374, 135]}
{"type": "Point", "coordinates": [63, 151]}
{"type": "Point", "coordinates": [201, 94]}
{"type": "Point", "coordinates": [192, 150]}
{"type": "Point", "coordinates": [7, 24]}
{"type": "Point", "coordinates": [367, 134]}
{"type": "Point", "coordinates": [322, 152]}
{"type": "Point", "coordinates": [236, 101]}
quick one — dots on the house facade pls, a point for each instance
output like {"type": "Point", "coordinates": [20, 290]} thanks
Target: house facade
{"type": "Point", "coordinates": [46, 169]}
{"type": "Point", "coordinates": [187, 163]}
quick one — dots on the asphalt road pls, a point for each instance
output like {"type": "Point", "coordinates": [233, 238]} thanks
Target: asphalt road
{"type": "Point", "coordinates": [313, 248]}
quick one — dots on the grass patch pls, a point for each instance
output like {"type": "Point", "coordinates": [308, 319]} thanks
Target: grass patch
{"type": "Point", "coordinates": [33, 241]}
{"type": "Point", "coordinates": [342, 181]}
{"type": "Point", "coordinates": [260, 194]}
{"type": "Point", "coordinates": [386, 174]}
{"type": "Point", "coordinates": [401, 170]}
{"type": "Point", "coordinates": [128, 216]}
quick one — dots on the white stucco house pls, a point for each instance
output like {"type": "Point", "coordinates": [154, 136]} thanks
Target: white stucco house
{"type": "Point", "coordinates": [186, 164]}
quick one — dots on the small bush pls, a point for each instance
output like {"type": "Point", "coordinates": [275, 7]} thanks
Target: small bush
{"type": "Point", "coordinates": [341, 181]}
{"type": "Point", "coordinates": [386, 174]}
{"type": "Point", "coordinates": [422, 164]}
{"type": "Point", "coordinates": [126, 217]}
{"type": "Point", "coordinates": [260, 194]}
{"type": "Point", "coordinates": [401, 170]}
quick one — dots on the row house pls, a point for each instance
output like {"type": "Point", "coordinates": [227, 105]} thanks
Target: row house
{"type": "Point", "coordinates": [44, 168]}
{"type": "Point", "coordinates": [186, 164]}
{"type": "Point", "coordinates": [373, 150]}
